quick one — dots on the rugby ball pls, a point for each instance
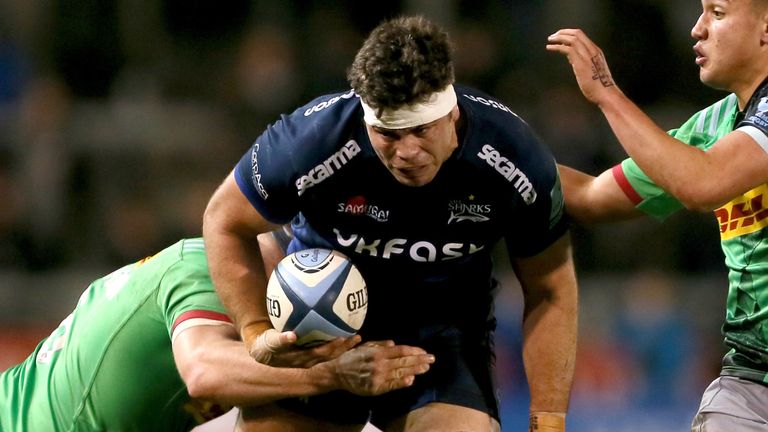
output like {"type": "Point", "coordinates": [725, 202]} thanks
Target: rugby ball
{"type": "Point", "coordinates": [317, 293]}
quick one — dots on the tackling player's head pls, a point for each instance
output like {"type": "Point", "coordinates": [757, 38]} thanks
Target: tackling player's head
{"type": "Point", "coordinates": [404, 76]}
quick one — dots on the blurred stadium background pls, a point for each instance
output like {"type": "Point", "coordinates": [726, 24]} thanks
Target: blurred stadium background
{"type": "Point", "coordinates": [118, 119]}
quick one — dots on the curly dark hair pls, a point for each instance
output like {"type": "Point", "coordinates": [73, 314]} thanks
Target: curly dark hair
{"type": "Point", "coordinates": [404, 60]}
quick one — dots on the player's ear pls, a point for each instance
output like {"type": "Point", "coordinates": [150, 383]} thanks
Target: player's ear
{"type": "Point", "coordinates": [455, 113]}
{"type": "Point", "coordinates": [764, 22]}
{"type": "Point", "coordinates": [764, 32]}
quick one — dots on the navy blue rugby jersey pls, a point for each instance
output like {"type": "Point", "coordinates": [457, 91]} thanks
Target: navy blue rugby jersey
{"type": "Point", "coordinates": [754, 120]}
{"type": "Point", "coordinates": [423, 251]}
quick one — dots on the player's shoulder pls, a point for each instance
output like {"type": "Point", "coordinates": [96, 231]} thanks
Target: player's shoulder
{"type": "Point", "coordinates": [755, 119]}
{"type": "Point", "coordinates": [181, 263]}
{"type": "Point", "coordinates": [316, 129]}
{"type": "Point", "coordinates": [500, 143]}
{"type": "Point", "coordinates": [493, 127]}
{"type": "Point", "coordinates": [483, 104]}
{"type": "Point", "coordinates": [757, 106]}
{"type": "Point", "coordinates": [337, 104]}
{"type": "Point", "coordinates": [484, 108]}
{"type": "Point", "coordinates": [190, 247]}
{"type": "Point", "coordinates": [490, 119]}
{"type": "Point", "coordinates": [326, 113]}
{"type": "Point", "coordinates": [704, 127]}
{"type": "Point", "coordinates": [188, 252]}
{"type": "Point", "coordinates": [719, 111]}
{"type": "Point", "coordinates": [761, 93]}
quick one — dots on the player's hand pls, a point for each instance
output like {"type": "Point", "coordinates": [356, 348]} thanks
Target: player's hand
{"type": "Point", "coordinates": [379, 367]}
{"type": "Point", "coordinates": [278, 349]}
{"type": "Point", "coordinates": [588, 63]}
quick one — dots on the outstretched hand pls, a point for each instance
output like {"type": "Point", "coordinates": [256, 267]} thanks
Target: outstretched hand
{"type": "Point", "coordinates": [588, 63]}
{"type": "Point", "coordinates": [278, 349]}
{"type": "Point", "coordinates": [378, 367]}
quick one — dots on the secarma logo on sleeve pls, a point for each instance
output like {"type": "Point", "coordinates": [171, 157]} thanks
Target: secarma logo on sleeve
{"type": "Point", "coordinates": [316, 175]}
{"type": "Point", "coordinates": [506, 168]}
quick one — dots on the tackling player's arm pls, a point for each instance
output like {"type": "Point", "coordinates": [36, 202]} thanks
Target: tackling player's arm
{"type": "Point", "coordinates": [550, 329]}
{"type": "Point", "coordinates": [590, 199]}
{"type": "Point", "coordinates": [693, 176]}
{"type": "Point", "coordinates": [214, 366]}
{"type": "Point", "coordinates": [231, 227]}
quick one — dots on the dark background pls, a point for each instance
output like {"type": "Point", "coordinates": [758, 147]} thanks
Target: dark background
{"type": "Point", "coordinates": [118, 119]}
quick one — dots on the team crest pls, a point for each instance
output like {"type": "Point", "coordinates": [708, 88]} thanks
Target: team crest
{"type": "Point", "coordinates": [468, 210]}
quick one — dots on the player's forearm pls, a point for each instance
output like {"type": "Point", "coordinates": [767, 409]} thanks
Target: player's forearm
{"type": "Point", "coordinates": [238, 275]}
{"type": "Point", "coordinates": [590, 200]}
{"type": "Point", "coordinates": [240, 281]}
{"type": "Point", "coordinates": [231, 227]}
{"type": "Point", "coordinates": [223, 372]}
{"type": "Point", "coordinates": [682, 170]}
{"type": "Point", "coordinates": [549, 349]}
{"type": "Point", "coordinates": [549, 355]}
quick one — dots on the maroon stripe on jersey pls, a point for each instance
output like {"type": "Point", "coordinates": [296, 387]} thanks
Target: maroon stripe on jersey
{"type": "Point", "coordinates": [200, 314]}
{"type": "Point", "coordinates": [629, 191]}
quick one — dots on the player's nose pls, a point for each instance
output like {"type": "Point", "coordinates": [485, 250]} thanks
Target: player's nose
{"type": "Point", "coordinates": [698, 31]}
{"type": "Point", "coordinates": [408, 148]}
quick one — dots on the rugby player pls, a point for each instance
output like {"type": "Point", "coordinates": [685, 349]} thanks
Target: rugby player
{"type": "Point", "coordinates": [415, 178]}
{"type": "Point", "coordinates": [149, 347]}
{"type": "Point", "coordinates": [716, 161]}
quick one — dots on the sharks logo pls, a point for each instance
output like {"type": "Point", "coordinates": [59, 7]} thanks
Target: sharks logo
{"type": "Point", "coordinates": [472, 212]}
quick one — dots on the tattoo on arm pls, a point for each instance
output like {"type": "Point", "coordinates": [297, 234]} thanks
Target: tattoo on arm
{"type": "Point", "coordinates": [600, 71]}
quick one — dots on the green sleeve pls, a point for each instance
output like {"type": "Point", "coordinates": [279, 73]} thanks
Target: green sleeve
{"type": "Point", "coordinates": [655, 201]}
{"type": "Point", "coordinates": [187, 287]}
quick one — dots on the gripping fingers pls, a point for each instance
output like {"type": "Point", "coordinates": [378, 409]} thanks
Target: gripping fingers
{"type": "Point", "coordinates": [408, 372]}
{"type": "Point", "coordinates": [331, 350]}
{"type": "Point", "coordinates": [414, 365]}
{"type": "Point", "coordinates": [404, 377]}
{"type": "Point", "coordinates": [398, 379]}
{"type": "Point", "coordinates": [406, 368]}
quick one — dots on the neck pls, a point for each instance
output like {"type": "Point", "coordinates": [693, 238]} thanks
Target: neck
{"type": "Point", "coordinates": [745, 94]}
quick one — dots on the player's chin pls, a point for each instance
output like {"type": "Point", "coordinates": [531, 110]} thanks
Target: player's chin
{"type": "Point", "coordinates": [712, 79]}
{"type": "Point", "coordinates": [414, 179]}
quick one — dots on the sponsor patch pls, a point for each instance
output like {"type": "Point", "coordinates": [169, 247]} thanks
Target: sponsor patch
{"type": "Point", "coordinates": [328, 167]}
{"type": "Point", "coordinates": [358, 205]}
{"type": "Point", "coordinates": [744, 215]}
{"type": "Point", "coordinates": [509, 171]}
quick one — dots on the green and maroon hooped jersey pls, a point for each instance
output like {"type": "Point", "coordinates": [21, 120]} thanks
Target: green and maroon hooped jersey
{"type": "Point", "coordinates": [743, 232]}
{"type": "Point", "coordinates": [109, 365]}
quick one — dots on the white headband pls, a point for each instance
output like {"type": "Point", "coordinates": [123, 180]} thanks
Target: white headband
{"type": "Point", "coordinates": [438, 105]}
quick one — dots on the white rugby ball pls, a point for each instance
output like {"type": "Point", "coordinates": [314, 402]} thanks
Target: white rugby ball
{"type": "Point", "coordinates": [317, 293]}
